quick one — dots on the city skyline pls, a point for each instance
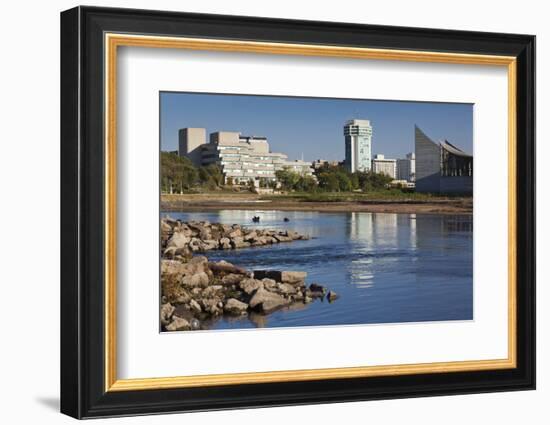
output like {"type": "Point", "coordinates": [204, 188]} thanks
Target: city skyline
{"type": "Point", "coordinates": [313, 127]}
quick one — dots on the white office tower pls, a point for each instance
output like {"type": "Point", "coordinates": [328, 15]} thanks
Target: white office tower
{"type": "Point", "coordinates": [358, 137]}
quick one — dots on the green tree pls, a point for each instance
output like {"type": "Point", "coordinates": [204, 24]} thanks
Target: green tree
{"type": "Point", "coordinates": [328, 181]}
{"type": "Point", "coordinates": [288, 178]}
{"type": "Point", "coordinates": [177, 173]}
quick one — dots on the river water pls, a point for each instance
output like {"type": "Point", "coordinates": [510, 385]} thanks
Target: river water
{"type": "Point", "coordinates": [387, 268]}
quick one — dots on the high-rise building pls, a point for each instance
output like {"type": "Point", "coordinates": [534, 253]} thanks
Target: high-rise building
{"type": "Point", "coordinates": [382, 165]}
{"type": "Point", "coordinates": [406, 168]}
{"type": "Point", "coordinates": [190, 143]}
{"type": "Point", "coordinates": [358, 137]}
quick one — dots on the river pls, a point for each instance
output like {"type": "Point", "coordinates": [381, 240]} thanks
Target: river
{"type": "Point", "coordinates": [387, 268]}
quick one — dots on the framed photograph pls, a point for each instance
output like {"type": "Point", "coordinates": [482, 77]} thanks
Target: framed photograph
{"type": "Point", "coordinates": [261, 212]}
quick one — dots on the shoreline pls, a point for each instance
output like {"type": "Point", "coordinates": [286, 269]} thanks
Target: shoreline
{"type": "Point", "coordinates": [214, 202]}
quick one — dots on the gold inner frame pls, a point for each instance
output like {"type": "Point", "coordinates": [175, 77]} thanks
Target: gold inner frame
{"type": "Point", "coordinates": [113, 41]}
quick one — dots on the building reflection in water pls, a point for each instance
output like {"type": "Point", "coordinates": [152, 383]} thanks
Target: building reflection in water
{"type": "Point", "coordinates": [386, 242]}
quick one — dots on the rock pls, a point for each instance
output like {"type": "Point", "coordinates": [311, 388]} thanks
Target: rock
{"type": "Point", "coordinates": [169, 252]}
{"type": "Point", "coordinates": [237, 233]}
{"type": "Point", "coordinates": [225, 243]}
{"type": "Point", "coordinates": [166, 311]}
{"type": "Point", "coordinates": [238, 242]}
{"type": "Point", "coordinates": [232, 279]}
{"type": "Point", "coordinates": [195, 307]}
{"type": "Point", "coordinates": [249, 285]}
{"type": "Point", "coordinates": [212, 290]}
{"type": "Point", "coordinates": [249, 237]}
{"type": "Point", "coordinates": [225, 267]}
{"type": "Point", "coordinates": [196, 280]}
{"type": "Point", "coordinates": [261, 240]}
{"type": "Point", "coordinates": [211, 305]}
{"type": "Point", "coordinates": [178, 240]}
{"type": "Point", "coordinates": [282, 238]}
{"type": "Point", "coordinates": [292, 234]}
{"type": "Point", "coordinates": [171, 267]}
{"type": "Point", "coordinates": [182, 311]}
{"type": "Point", "coordinates": [210, 244]}
{"type": "Point", "coordinates": [197, 264]}
{"type": "Point", "coordinates": [196, 245]}
{"type": "Point", "coordinates": [293, 277]}
{"type": "Point", "coordinates": [269, 284]}
{"type": "Point", "coordinates": [266, 301]}
{"type": "Point", "coordinates": [286, 289]}
{"type": "Point", "coordinates": [332, 296]}
{"type": "Point", "coordinates": [233, 306]}
{"type": "Point", "coordinates": [178, 324]}
{"type": "Point", "coordinates": [281, 276]}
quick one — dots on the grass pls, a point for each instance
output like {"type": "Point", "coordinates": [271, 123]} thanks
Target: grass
{"type": "Point", "coordinates": [387, 195]}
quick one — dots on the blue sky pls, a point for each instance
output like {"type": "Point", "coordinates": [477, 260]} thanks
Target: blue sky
{"type": "Point", "coordinates": [314, 126]}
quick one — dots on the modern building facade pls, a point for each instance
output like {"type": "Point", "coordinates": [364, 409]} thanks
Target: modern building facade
{"type": "Point", "coordinates": [406, 168]}
{"type": "Point", "coordinates": [383, 165]}
{"type": "Point", "coordinates": [191, 141]}
{"type": "Point", "coordinates": [244, 158]}
{"type": "Point", "coordinates": [358, 138]}
{"type": "Point", "coordinates": [442, 167]}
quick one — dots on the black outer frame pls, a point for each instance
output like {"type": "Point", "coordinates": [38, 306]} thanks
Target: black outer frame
{"type": "Point", "coordinates": [82, 212]}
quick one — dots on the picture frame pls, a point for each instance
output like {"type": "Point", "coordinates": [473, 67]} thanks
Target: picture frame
{"type": "Point", "coordinates": [90, 40]}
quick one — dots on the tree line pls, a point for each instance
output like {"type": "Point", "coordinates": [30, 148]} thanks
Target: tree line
{"type": "Point", "coordinates": [330, 178]}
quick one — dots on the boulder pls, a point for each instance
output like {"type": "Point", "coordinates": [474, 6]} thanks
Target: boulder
{"type": "Point", "coordinates": [332, 296]}
{"type": "Point", "coordinates": [270, 284]}
{"type": "Point", "coordinates": [234, 306]}
{"type": "Point", "coordinates": [178, 240]}
{"type": "Point", "coordinates": [210, 244]}
{"type": "Point", "coordinates": [249, 285]}
{"type": "Point", "coordinates": [281, 276]}
{"type": "Point", "coordinates": [225, 243]}
{"type": "Point", "coordinates": [211, 305]}
{"type": "Point", "coordinates": [195, 306]}
{"type": "Point", "coordinates": [286, 289]}
{"type": "Point", "coordinates": [195, 280]}
{"type": "Point", "coordinates": [172, 267]}
{"type": "Point", "coordinates": [166, 311]}
{"type": "Point", "coordinates": [225, 267]}
{"type": "Point", "coordinates": [165, 227]}
{"type": "Point", "coordinates": [232, 279]}
{"type": "Point", "coordinates": [293, 277]}
{"type": "Point", "coordinates": [282, 238]}
{"type": "Point", "coordinates": [196, 245]}
{"type": "Point", "coordinates": [239, 242]}
{"type": "Point", "coordinates": [266, 301]}
{"type": "Point", "coordinates": [212, 290]}
{"type": "Point", "coordinates": [249, 237]}
{"type": "Point", "coordinates": [178, 324]}
{"type": "Point", "coordinates": [236, 233]}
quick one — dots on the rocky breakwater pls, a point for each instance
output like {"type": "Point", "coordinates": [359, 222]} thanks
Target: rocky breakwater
{"type": "Point", "coordinates": [197, 292]}
{"type": "Point", "coordinates": [181, 239]}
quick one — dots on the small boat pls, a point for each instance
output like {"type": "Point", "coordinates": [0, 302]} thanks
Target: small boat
{"type": "Point", "coordinates": [256, 219]}
{"type": "Point", "coordinates": [286, 219]}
